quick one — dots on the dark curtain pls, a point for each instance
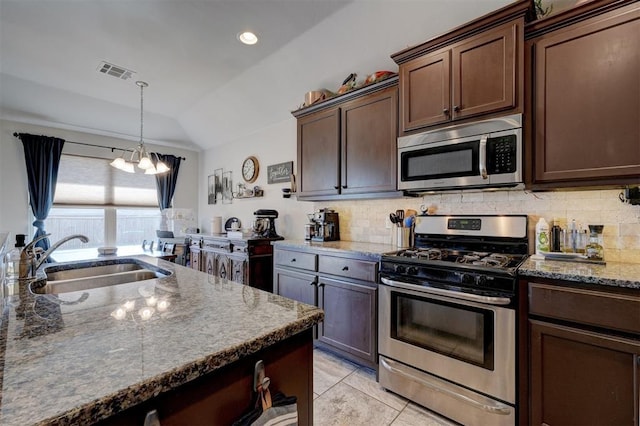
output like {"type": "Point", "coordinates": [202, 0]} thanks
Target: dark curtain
{"type": "Point", "coordinates": [166, 182]}
{"type": "Point", "coordinates": [42, 157]}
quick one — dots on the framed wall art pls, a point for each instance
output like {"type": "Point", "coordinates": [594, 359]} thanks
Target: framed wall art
{"type": "Point", "coordinates": [217, 173]}
{"type": "Point", "coordinates": [280, 172]}
{"type": "Point", "coordinates": [211, 189]}
{"type": "Point", "coordinates": [227, 184]}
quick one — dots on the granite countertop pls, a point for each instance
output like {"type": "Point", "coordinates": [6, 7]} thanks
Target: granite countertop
{"type": "Point", "coordinates": [369, 250]}
{"type": "Point", "coordinates": [615, 274]}
{"type": "Point", "coordinates": [67, 359]}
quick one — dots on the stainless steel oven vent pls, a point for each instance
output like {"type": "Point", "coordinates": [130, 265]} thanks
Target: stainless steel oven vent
{"type": "Point", "coordinates": [115, 71]}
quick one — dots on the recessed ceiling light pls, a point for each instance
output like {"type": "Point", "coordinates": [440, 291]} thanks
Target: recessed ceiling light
{"type": "Point", "coordinates": [248, 37]}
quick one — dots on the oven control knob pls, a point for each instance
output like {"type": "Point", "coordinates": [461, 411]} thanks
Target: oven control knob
{"type": "Point", "coordinates": [481, 280]}
{"type": "Point", "coordinates": [412, 270]}
{"type": "Point", "coordinates": [467, 279]}
{"type": "Point", "coordinates": [400, 269]}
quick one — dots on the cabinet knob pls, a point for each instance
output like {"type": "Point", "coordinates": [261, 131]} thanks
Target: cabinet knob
{"type": "Point", "coordinates": [345, 268]}
{"type": "Point", "coordinates": [456, 108]}
{"type": "Point", "coordinates": [293, 260]}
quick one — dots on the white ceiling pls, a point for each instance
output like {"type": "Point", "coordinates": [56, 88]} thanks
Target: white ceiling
{"type": "Point", "coordinates": [205, 87]}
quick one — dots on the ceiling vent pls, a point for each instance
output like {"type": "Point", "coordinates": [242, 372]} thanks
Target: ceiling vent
{"type": "Point", "coordinates": [115, 70]}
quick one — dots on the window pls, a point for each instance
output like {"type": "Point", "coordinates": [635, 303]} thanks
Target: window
{"type": "Point", "coordinates": [107, 205]}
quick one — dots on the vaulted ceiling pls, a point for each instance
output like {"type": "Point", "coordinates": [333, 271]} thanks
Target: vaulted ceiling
{"type": "Point", "coordinates": [205, 87]}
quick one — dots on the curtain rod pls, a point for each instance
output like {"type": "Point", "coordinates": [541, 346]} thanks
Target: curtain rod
{"type": "Point", "coordinates": [15, 134]}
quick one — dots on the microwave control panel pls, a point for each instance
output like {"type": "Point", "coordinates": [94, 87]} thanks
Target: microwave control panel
{"type": "Point", "coordinates": [501, 155]}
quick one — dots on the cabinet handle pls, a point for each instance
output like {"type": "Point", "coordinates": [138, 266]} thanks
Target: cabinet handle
{"type": "Point", "coordinates": [344, 186]}
{"type": "Point", "coordinates": [456, 108]}
{"type": "Point", "coordinates": [321, 285]}
{"type": "Point", "coordinates": [293, 260]}
{"type": "Point", "coordinates": [314, 282]}
{"type": "Point", "coordinates": [336, 187]}
{"type": "Point", "coordinates": [345, 268]}
{"type": "Point", "coordinates": [445, 111]}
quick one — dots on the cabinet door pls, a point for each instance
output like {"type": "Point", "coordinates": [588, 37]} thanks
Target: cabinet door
{"type": "Point", "coordinates": [425, 90]}
{"type": "Point", "coordinates": [369, 133]}
{"type": "Point", "coordinates": [195, 256]}
{"type": "Point", "coordinates": [239, 270]}
{"type": "Point", "coordinates": [484, 72]}
{"type": "Point", "coordinates": [223, 266]}
{"type": "Point", "coordinates": [209, 262]}
{"type": "Point", "coordinates": [319, 153]}
{"type": "Point", "coordinates": [582, 378]}
{"type": "Point", "coordinates": [295, 285]}
{"type": "Point", "coordinates": [349, 317]}
{"type": "Point", "coordinates": [587, 100]}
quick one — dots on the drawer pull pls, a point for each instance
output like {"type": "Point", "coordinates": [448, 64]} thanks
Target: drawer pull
{"type": "Point", "coordinates": [345, 268]}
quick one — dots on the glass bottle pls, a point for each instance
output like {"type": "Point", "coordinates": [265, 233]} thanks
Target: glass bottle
{"type": "Point", "coordinates": [12, 260]}
{"type": "Point", "coordinates": [594, 249]}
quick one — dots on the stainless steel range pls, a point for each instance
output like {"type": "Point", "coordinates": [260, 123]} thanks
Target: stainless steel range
{"type": "Point", "coordinates": [447, 316]}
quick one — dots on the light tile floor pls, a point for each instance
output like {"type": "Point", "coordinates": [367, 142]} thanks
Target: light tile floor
{"type": "Point", "coordinates": [347, 394]}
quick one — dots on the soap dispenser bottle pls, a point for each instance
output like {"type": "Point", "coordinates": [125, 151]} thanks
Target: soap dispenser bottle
{"type": "Point", "coordinates": [542, 236]}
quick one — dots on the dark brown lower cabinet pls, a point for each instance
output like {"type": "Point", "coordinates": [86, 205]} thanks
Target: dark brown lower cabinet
{"type": "Point", "coordinates": [580, 377]}
{"type": "Point", "coordinates": [296, 285]}
{"type": "Point", "coordinates": [223, 396]}
{"type": "Point", "coordinates": [583, 363]}
{"type": "Point", "coordinates": [344, 286]}
{"type": "Point", "coordinates": [349, 310]}
{"type": "Point", "coordinates": [243, 261]}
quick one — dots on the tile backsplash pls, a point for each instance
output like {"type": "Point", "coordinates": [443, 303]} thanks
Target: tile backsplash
{"type": "Point", "coordinates": [368, 220]}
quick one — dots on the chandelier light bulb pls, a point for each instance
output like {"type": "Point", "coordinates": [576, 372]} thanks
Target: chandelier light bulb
{"type": "Point", "coordinates": [145, 163]}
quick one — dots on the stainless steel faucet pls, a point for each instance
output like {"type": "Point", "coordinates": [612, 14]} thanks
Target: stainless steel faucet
{"type": "Point", "coordinates": [30, 262]}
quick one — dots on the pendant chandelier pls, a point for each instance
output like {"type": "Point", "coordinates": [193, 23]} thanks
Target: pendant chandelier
{"type": "Point", "coordinates": [140, 156]}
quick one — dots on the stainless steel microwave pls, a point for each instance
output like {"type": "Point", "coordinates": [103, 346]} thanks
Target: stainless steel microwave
{"type": "Point", "coordinates": [482, 155]}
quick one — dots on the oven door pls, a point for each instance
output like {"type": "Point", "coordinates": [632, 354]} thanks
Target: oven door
{"type": "Point", "coordinates": [466, 342]}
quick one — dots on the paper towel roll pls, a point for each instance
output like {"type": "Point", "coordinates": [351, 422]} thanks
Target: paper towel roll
{"type": "Point", "coordinates": [216, 225]}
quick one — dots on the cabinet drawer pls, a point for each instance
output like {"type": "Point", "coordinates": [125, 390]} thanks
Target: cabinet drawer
{"type": "Point", "coordinates": [219, 246]}
{"type": "Point", "coordinates": [296, 259]}
{"type": "Point", "coordinates": [598, 308]}
{"type": "Point", "coordinates": [349, 268]}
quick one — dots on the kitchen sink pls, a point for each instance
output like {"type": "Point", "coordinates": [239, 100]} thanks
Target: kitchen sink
{"type": "Point", "coordinates": [85, 275]}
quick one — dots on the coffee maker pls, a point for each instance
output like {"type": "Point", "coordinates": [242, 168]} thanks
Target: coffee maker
{"type": "Point", "coordinates": [327, 226]}
{"type": "Point", "coordinates": [265, 224]}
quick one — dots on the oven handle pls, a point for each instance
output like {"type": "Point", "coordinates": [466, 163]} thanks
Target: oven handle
{"type": "Point", "coordinates": [490, 300]}
{"type": "Point", "coordinates": [495, 409]}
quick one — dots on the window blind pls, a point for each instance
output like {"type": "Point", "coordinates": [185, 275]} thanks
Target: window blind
{"type": "Point", "coordinates": [89, 181]}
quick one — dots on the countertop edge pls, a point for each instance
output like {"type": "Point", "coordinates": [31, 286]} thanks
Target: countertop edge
{"type": "Point", "coordinates": [613, 274]}
{"type": "Point", "coordinates": [140, 392]}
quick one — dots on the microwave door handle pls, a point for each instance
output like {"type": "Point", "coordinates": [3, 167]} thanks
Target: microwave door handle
{"type": "Point", "coordinates": [483, 157]}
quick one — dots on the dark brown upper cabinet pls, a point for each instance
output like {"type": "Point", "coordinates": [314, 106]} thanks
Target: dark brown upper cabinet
{"type": "Point", "coordinates": [474, 70]}
{"type": "Point", "coordinates": [585, 97]}
{"type": "Point", "coordinates": [347, 145]}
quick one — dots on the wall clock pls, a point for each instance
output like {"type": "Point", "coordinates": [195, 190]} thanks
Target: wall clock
{"type": "Point", "coordinates": [250, 169]}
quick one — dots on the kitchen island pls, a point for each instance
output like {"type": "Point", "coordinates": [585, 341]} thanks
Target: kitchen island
{"type": "Point", "coordinates": [78, 358]}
